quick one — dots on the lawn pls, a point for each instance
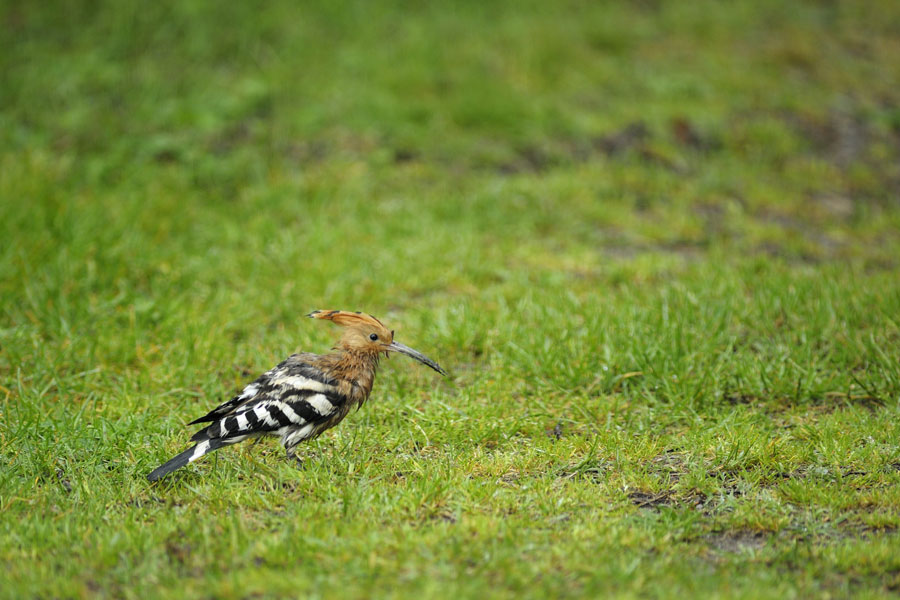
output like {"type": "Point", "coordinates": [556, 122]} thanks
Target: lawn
{"type": "Point", "coordinates": [655, 244]}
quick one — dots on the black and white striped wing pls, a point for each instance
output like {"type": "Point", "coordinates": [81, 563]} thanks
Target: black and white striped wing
{"type": "Point", "coordinates": [295, 371]}
{"type": "Point", "coordinates": [299, 417]}
{"type": "Point", "coordinates": [274, 415]}
{"type": "Point", "coordinates": [294, 400]}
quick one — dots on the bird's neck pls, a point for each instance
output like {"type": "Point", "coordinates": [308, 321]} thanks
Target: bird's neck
{"type": "Point", "coordinates": [357, 369]}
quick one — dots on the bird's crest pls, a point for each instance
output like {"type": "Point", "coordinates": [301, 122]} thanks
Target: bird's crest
{"type": "Point", "coordinates": [345, 318]}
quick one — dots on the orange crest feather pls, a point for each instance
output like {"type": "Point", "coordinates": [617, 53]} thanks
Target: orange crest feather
{"type": "Point", "coordinates": [345, 318]}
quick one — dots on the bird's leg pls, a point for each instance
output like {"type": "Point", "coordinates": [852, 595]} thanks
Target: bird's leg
{"type": "Point", "coordinates": [298, 462]}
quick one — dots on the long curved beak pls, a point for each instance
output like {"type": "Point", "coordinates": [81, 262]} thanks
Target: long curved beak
{"type": "Point", "coordinates": [398, 347]}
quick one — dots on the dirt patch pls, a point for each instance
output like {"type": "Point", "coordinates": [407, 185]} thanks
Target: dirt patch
{"type": "Point", "coordinates": [634, 137]}
{"type": "Point", "coordinates": [650, 500]}
{"type": "Point", "coordinates": [510, 477]}
{"type": "Point", "coordinates": [854, 530]}
{"type": "Point", "coordinates": [840, 136]}
{"type": "Point", "coordinates": [405, 155]}
{"type": "Point", "coordinates": [532, 159]}
{"type": "Point", "coordinates": [684, 248]}
{"type": "Point", "coordinates": [730, 542]}
{"type": "Point", "coordinates": [735, 399]}
{"type": "Point", "coordinates": [670, 463]}
{"type": "Point", "coordinates": [687, 134]}
{"type": "Point", "coordinates": [438, 517]}
{"type": "Point", "coordinates": [628, 138]}
{"type": "Point", "coordinates": [178, 551]}
{"type": "Point", "coordinates": [140, 502]}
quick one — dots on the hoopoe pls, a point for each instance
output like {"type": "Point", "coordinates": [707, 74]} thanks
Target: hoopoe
{"type": "Point", "coordinates": [302, 396]}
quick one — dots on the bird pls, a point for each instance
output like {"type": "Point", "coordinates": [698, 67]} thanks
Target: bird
{"type": "Point", "coordinates": [302, 396]}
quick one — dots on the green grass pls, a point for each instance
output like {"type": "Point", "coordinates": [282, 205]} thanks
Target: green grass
{"type": "Point", "coordinates": [655, 244]}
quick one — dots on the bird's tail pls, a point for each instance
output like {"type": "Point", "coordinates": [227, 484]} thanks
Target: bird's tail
{"type": "Point", "coordinates": [188, 456]}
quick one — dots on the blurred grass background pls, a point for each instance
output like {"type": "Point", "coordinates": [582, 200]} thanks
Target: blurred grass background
{"type": "Point", "coordinates": [655, 243]}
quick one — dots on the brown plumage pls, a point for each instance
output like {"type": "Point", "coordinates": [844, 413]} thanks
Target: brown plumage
{"type": "Point", "coordinates": [304, 395]}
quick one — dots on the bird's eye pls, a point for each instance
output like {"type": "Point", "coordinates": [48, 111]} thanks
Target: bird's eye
{"type": "Point", "coordinates": [373, 337]}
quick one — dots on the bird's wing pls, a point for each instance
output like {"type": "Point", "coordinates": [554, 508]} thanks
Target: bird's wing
{"type": "Point", "coordinates": [296, 399]}
{"type": "Point", "coordinates": [266, 415]}
{"type": "Point", "coordinates": [295, 377]}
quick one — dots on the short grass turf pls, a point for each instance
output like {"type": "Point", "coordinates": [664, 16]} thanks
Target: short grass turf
{"type": "Point", "coordinates": [655, 244]}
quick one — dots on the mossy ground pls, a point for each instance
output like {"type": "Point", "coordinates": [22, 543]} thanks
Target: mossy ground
{"type": "Point", "coordinates": [656, 245]}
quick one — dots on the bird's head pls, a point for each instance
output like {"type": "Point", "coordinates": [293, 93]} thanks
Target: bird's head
{"type": "Point", "coordinates": [366, 334]}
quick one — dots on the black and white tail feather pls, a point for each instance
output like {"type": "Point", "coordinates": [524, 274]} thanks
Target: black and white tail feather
{"type": "Point", "coordinates": [294, 400]}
